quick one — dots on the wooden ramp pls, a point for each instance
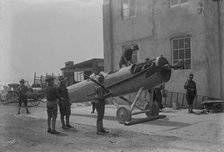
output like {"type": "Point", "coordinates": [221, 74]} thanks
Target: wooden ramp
{"type": "Point", "coordinates": [142, 120]}
{"type": "Point", "coordinates": [213, 105]}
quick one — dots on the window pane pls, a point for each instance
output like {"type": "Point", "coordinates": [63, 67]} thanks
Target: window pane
{"type": "Point", "coordinates": [173, 2]}
{"type": "Point", "coordinates": [175, 61]}
{"type": "Point", "coordinates": [182, 51]}
{"type": "Point", "coordinates": [181, 43]}
{"type": "Point", "coordinates": [187, 53]}
{"type": "Point", "coordinates": [181, 54]}
{"type": "Point", "coordinates": [188, 64]}
{"type": "Point", "coordinates": [175, 54]}
{"type": "Point", "coordinates": [175, 44]}
{"type": "Point", "coordinates": [187, 43]}
{"type": "Point", "coordinates": [125, 8]}
{"type": "Point", "coordinates": [183, 1]}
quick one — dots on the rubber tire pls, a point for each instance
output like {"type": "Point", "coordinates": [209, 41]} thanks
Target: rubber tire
{"type": "Point", "coordinates": [35, 102]}
{"type": "Point", "coordinates": [123, 114]}
{"type": "Point", "coordinates": [154, 110]}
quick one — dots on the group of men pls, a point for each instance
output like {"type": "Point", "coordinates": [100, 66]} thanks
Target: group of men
{"type": "Point", "coordinates": [52, 94]}
{"type": "Point", "coordinates": [56, 96]}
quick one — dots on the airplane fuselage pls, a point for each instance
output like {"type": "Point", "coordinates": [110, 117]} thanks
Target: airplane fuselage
{"type": "Point", "coordinates": [124, 81]}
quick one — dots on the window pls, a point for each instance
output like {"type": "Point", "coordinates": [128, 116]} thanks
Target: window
{"type": "Point", "coordinates": [174, 3]}
{"type": "Point", "coordinates": [124, 8]}
{"type": "Point", "coordinates": [181, 50]}
{"type": "Point", "coordinates": [78, 76]}
{"type": "Point", "coordinates": [128, 8]}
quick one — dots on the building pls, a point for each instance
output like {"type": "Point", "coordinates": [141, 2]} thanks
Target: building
{"type": "Point", "coordinates": [192, 30]}
{"type": "Point", "coordinates": [39, 81]}
{"type": "Point", "coordinates": [76, 72]}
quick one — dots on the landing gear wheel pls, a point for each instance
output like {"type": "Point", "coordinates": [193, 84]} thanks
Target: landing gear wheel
{"type": "Point", "coordinates": [123, 114]}
{"type": "Point", "coordinates": [36, 101]}
{"type": "Point", "coordinates": [154, 110]}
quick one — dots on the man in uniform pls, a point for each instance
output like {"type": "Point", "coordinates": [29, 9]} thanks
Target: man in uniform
{"type": "Point", "coordinates": [191, 93]}
{"type": "Point", "coordinates": [126, 58]}
{"type": "Point", "coordinates": [158, 96]}
{"type": "Point", "coordinates": [159, 92]}
{"type": "Point", "coordinates": [64, 104]}
{"type": "Point", "coordinates": [100, 106]}
{"type": "Point", "coordinates": [94, 76]}
{"type": "Point", "coordinates": [52, 104]}
{"type": "Point", "coordinates": [22, 96]}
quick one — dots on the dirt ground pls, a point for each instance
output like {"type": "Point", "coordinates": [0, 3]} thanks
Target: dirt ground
{"type": "Point", "coordinates": [22, 133]}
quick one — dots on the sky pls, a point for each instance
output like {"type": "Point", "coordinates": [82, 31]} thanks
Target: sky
{"type": "Point", "coordinates": [41, 35]}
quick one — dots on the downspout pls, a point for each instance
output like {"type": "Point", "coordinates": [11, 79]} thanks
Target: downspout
{"type": "Point", "coordinates": [111, 35]}
{"type": "Point", "coordinates": [220, 46]}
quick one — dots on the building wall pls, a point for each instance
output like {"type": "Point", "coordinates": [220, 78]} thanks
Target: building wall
{"type": "Point", "coordinates": [153, 27]}
{"type": "Point", "coordinates": [107, 36]}
{"type": "Point", "coordinates": [222, 41]}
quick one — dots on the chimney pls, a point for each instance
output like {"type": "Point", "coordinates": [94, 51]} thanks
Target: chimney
{"type": "Point", "coordinates": [69, 64]}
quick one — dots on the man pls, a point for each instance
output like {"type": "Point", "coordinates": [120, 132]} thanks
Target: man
{"type": "Point", "coordinates": [52, 104]}
{"type": "Point", "coordinates": [100, 106]}
{"type": "Point", "coordinates": [159, 92]}
{"type": "Point", "coordinates": [126, 58]}
{"type": "Point", "coordinates": [147, 64]}
{"type": "Point", "coordinates": [158, 96]}
{"type": "Point", "coordinates": [94, 76]}
{"type": "Point", "coordinates": [191, 93]}
{"type": "Point", "coordinates": [23, 89]}
{"type": "Point", "coordinates": [64, 104]}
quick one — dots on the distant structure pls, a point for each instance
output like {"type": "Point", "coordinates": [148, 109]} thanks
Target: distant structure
{"type": "Point", "coordinates": [75, 72]}
{"type": "Point", "coordinates": [39, 81]}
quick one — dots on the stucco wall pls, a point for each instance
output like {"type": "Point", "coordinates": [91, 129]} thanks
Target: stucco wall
{"type": "Point", "coordinates": [156, 23]}
{"type": "Point", "coordinates": [222, 42]}
{"type": "Point", "coordinates": [212, 47]}
{"type": "Point", "coordinates": [107, 36]}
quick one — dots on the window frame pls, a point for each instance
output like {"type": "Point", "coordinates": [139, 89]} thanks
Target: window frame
{"type": "Point", "coordinates": [178, 4]}
{"type": "Point", "coordinates": [78, 76]}
{"type": "Point", "coordinates": [126, 13]}
{"type": "Point", "coordinates": [178, 49]}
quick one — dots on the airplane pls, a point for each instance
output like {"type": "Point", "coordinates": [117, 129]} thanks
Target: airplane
{"type": "Point", "coordinates": [130, 79]}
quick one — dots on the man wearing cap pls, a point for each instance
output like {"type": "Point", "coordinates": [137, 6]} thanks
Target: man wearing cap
{"type": "Point", "coordinates": [22, 95]}
{"type": "Point", "coordinates": [191, 93]}
{"type": "Point", "coordinates": [100, 106]}
{"type": "Point", "coordinates": [52, 104]}
{"type": "Point", "coordinates": [64, 104]}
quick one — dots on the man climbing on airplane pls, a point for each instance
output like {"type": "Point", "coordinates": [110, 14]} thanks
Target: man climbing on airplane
{"type": "Point", "coordinates": [126, 58]}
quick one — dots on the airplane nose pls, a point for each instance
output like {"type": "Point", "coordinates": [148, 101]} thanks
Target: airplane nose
{"type": "Point", "coordinates": [165, 73]}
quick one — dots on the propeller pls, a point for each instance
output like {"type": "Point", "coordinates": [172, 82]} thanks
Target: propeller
{"type": "Point", "coordinates": [153, 69]}
{"type": "Point", "coordinates": [177, 65]}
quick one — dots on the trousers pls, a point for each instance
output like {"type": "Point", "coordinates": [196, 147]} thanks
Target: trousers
{"type": "Point", "coordinates": [100, 108]}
